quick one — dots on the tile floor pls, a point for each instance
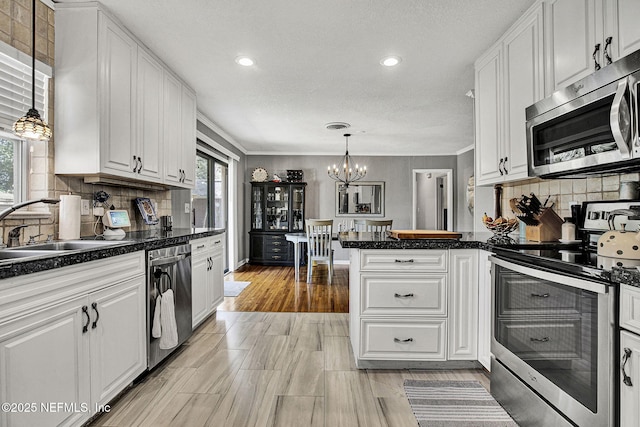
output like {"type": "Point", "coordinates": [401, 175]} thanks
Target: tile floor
{"type": "Point", "coordinates": [270, 369]}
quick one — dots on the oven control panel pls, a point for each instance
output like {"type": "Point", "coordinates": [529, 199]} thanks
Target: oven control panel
{"type": "Point", "coordinates": [597, 215]}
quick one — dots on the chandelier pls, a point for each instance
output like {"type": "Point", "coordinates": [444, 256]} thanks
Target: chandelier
{"type": "Point", "coordinates": [31, 126]}
{"type": "Point", "coordinates": [348, 173]}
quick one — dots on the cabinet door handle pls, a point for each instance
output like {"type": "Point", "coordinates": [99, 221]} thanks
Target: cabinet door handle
{"type": "Point", "coordinates": [545, 339]}
{"type": "Point", "coordinates": [605, 51]}
{"type": "Point", "coordinates": [504, 166]}
{"type": "Point", "coordinates": [210, 263]}
{"type": "Point", "coordinates": [85, 311]}
{"type": "Point", "coordinates": [500, 166]}
{"type": "Point", "coordinates": [596, 66]}
{"type": "Point", "coordinates": [397, 295]}
{"type": "Point", "coordinates": [545, 295]}
{"type": "Point", "coordinates": [140, 165]}
{"type": "Point", "coordinates": [94, 306]}
{"type": "Point", "coordinates": [135, 164]}
{"type": "Point", "coordinates": [404, 260]}
{"type": "Point", "coordinates": [403, 341]}
{"type": "Point", "coordinates": [626, 379]}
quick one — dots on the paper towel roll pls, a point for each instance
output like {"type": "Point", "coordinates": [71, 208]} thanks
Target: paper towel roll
{"type": "Point", "coordinates": [69, 224]}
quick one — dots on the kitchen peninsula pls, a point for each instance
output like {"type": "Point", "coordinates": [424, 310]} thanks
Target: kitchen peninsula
{"type": "Point", "coordinates": [413, 302]}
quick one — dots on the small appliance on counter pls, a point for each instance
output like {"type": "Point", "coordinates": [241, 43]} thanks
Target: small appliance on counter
{"type": "Point", "coordinates": [166, 222]}
{"type": "Point", "coordinates": [113, 221]}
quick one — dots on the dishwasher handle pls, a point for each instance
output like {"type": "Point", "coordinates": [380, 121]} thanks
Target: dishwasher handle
{"type": "Point", "coordinates": [168, 260]}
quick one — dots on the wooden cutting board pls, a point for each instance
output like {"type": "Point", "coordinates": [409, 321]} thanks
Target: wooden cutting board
{"type": "Point", "coordinates": [424, 234]}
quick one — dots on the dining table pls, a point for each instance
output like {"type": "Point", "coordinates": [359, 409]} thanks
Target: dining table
{"type": "Point", "coordinates": [297, 239]}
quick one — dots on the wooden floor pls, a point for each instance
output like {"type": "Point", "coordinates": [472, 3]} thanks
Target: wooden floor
{"type": "Point", "coordinates": [274, 289]}
{"type": "Point", "coordinates": [270, 369]}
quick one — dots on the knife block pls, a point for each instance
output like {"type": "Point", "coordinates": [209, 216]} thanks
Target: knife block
{"type": "Point", "coordinates": [549, 228]}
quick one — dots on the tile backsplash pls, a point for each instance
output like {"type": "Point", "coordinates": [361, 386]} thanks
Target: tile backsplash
{"type": "Point", "coordinates": [564, 192]}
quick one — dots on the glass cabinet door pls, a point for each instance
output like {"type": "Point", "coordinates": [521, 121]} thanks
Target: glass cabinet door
{"type": "Point", "coordinates": [256, 207]}
{"type": "Point", "coordinates": [297, 207]}
{"type": "Point", "coordinates": [277, 217]}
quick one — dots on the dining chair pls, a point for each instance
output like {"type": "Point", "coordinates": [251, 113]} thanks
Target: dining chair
{"type": "Point", "coordinates": [360, 224]}
{"type": "Point", "coordinates": [378, 225]}
{"type": "Point", "coordinates": [319, 236]}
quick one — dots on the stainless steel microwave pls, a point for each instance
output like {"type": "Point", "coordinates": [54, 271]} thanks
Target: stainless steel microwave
{"type": "Point", "coordinates": [589, 127]}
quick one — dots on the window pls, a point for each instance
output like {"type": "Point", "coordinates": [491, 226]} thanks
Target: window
{"type": "Point", "coordinates": [12, 170]}
{"type": "Point", "coordinates": [15, 101]}
{"type": "Point", "coordinates": [209, 198]}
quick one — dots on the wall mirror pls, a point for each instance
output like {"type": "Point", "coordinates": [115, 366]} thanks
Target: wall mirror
{"type": "Point", "coordinates": [361, 199]}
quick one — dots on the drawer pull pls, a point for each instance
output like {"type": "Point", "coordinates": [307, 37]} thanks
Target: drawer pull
{"type": "Point", "coordinates": [404, 260]}
{"type": "Point", "coordinates": [403, 296]}
{"type": "Point", "coordinates": [276, 257]}
{"type": "Point", "coordinates": [545, 339]}
{"type": "Point", "coordinates": [545, 295]}
{"type": "Point", "coordinates": [276, 249]}
{"type": "Point", "coordinates": [276, 243]}
{"type": "Point", "coordinates": [401, 341]}
{"type": "Point", "coordinates": [626, 378]}
{"type": "Point", "coordinates": [200, 246]}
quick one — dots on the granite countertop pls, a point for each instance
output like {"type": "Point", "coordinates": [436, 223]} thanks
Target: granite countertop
{"type": "Point", "coordinates": [380, 240]}
{"type": "Point", "coordinates": [132, 242]}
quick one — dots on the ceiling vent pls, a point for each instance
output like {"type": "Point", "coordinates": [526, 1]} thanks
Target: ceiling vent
{"type": "Point", "coordinates": [337, 125]}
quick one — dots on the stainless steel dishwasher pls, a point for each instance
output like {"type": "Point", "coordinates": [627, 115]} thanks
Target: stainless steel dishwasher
{"type": "Point", "coordinates": [168, 268]}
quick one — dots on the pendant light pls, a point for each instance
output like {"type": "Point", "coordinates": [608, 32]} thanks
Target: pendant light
{"type": "Point", "coordinates": [348, 173]}
{"type": "Point", "coordinates": [31, 126]}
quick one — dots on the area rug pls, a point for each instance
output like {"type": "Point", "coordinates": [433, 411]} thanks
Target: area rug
{"type": "Point", "coordinates": [233, 289]}
{"type": "Point", "coordinates": [455, 403]}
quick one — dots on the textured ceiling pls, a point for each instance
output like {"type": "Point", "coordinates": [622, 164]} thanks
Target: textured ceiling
{"type": "Point", "coordinates": [317, 61]}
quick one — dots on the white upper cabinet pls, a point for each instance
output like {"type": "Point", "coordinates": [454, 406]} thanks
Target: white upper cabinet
{"type": "Point", "coordinates": [509, 78]}
{"type": "Point", "coordinates": [625, 26]}
{"type": "Point", "coordinates": [583, 35]}
{"type": "Point", "coordinates": [149, 152]}
{"type": "Point", "coordinates": [111, 108]}
{"type": "Point", "coordinates": [117, 111]}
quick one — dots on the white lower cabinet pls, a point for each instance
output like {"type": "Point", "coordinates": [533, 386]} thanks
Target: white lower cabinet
{"type": "Point", "coordinates": [413, 305]}
{"type": "Point", "coordinates": [207, 272]}
{"type": "Point", "coordinates": [629, 353]}
{"type": "Point", "coordinates": [80, 341]}
{"type": "Point", "coordinates": [630, 394]}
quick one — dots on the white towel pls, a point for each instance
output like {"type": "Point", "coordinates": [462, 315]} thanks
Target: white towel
{"type": "Point", "coordinates": [169, 338]}
{"type": "Point", "coordinates": [156, 330]}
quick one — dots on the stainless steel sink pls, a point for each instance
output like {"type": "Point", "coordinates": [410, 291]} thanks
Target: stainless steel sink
{"type": "Point", "coordinates": [19, 253]}
{"type": "Point", "coordinates": [55, 248]}
{"type": "Point", "coordinates": [69, 245]}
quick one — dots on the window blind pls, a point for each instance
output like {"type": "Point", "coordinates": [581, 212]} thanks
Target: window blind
{"type": "Point", "coordinates": [15, 88]}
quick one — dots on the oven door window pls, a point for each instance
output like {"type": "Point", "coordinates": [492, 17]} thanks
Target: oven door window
{"type": "Point", "coordinates": [551, 327]}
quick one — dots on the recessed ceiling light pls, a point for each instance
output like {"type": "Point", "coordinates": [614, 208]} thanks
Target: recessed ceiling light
{"type": "Point", "coordinates": [390, 61]}
{"type": "Point", "coordinates": [244, 61]}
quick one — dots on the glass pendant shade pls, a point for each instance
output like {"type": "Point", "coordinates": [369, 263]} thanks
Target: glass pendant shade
{"type": "Point", "coordinates": [31, 126]}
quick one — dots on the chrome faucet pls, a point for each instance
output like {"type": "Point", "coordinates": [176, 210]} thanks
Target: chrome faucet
{"type": "Point", "coordinates": [5, 213]}
{"type": "Point", "coordinates": [14, 234]}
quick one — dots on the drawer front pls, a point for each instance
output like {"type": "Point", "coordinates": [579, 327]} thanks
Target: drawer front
{"type": "Point", "coordinates": [404, 260]}
{"type": "Point", "coordinates": [542, 339]}
{"type": "Point", "coordinates": [201, 245]}
{"type": "Point", "coordinates": [270, 239]}
{"type": "Point", "coordinates": [405, 294]}
{"type": "Point", "coordinates": [406, 340]}
{"type": "Point", "coordinates": [522, 296]}
{"type": "Point", "coordinates": [630, 308]}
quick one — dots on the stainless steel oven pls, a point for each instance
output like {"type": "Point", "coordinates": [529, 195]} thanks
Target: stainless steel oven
{"type": "Point", "coordinates": [588, 127]}
{"type": "Point", "coordinates": [553, 346]}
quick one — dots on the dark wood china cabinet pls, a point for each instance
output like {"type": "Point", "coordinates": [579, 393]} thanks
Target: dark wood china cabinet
{"type": "Point", "coordinates": [277, 208]}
